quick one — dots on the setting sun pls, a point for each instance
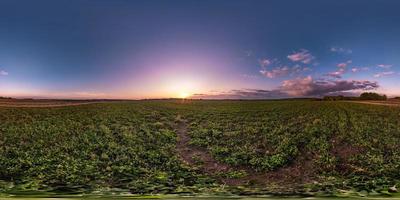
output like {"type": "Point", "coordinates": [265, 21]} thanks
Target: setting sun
{"type": "Point", "coordinates": [184, 95]}
{"type": "Point", "coordinates": [179, 87]}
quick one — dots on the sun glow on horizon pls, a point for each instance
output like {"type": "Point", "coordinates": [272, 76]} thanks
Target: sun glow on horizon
{"type": "Point", "coordinates": [184, 95]}
{"type": "Point", "coordinates": [178, 87]}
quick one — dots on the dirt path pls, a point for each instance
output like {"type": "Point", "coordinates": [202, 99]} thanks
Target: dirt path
{"type": "Point", "coordinates": [381, 103]}
{"type": "Point", "coordinates": [298, 172]}
{"type": "Point", "coordinates": [193, 155]}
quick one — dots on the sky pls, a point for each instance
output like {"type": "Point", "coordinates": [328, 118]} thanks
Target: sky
{"type": "Point", "coordinates": [252, 49]}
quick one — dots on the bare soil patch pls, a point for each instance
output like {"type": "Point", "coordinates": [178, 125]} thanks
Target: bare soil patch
{"type": "Point", "coordinates": [300, 171]}
{"type": "Point", "coordinates": [344, 152]}
{"type": "Point", "coordinates": [192, 155]}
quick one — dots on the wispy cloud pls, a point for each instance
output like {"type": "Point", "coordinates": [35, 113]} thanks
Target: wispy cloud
{"type": "Point", "coordinates": [248, 53]}
{"type": "Point", "coordinates": [3, 73]}
{"type": "Point", "coordinates": [359, 69]}
{"type": "Point", "coordinates": [340, 71]}
{"type": "Point", "coordinates": [264, 62]}
{"type": "Point", "coordinates": [381, 74]}
{"type": "Point", "coordinates": [341, 50]}
{"type": "Point", "coordinates": [88, 94]}
{"type": "Point", "coordinates": [249, 76]}
{"type": "Point", "coordinates": [284, 71]}
{"type": "Point", "coordinates": [384, 66]}
{"type": "Point", "coordinates": [303, 56]}
{"type": "Point", "coordinates": [279, 71]}
{"type": "Point", "coordinates": [336, 74]}
{"type": "Point", "coordinates": [344, 64]}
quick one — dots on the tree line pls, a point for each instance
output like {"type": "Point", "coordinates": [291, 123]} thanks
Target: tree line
{"type": "Point", "coordinates": [363, 96]}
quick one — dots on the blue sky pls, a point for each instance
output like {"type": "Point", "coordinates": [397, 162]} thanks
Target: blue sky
{"type": "Point", "coordinates": [234, 49]}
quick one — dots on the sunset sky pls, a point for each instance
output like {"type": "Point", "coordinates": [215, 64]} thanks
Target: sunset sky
{"type": "Point", "coordinates": [198, 48]}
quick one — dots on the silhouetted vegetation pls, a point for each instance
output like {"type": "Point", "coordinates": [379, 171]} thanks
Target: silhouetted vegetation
{"type": "Point", "coordinates": [363, 96]}
{"type": "Point", "coordinates": [339, 98]}
{"type": "Point", "coordinates": [372, 96]}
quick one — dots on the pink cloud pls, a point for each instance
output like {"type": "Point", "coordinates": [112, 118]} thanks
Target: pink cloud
{"type": "Point", "coordinates": [264, 62]}
{"type": "Point", "coordinates": [279, 71]}
{"type": "Point", "coordinates": [342, 69]}
{"type": "Point", "coordinates": [344, 64]}
{"type": "Point", "coordinates": [309, 87]}
{"type": "Point", "coordinates": [284, 71]}
{"type": "Point", "coordinates": [298, 87]}
{"type": "Point", "coordinates": [337, 74]}
{"type": "Point", "coordinates": [303, 56]}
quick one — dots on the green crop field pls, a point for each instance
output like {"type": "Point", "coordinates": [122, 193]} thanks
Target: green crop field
{"type": "Point", "coordinates": [175, 147]}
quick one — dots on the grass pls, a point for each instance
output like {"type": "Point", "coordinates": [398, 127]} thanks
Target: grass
{"type": "Point", "coordinates": [297, 147]}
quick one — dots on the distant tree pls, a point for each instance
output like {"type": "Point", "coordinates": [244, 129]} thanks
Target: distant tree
{"type": "Point", "coordinates": [328, 98]}
{"type": "Point", "coordinates": [334, 98]}
{"type": "Point", "coordinates": [339, 98]}
{"type": "Point", "coordinates": [372, 96]}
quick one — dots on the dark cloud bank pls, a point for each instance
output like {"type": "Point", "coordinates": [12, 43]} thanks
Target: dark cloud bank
{"type": "Point", "coordinates": [299, 87]}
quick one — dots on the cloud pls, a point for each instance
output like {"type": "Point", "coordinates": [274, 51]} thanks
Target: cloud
{"type": "Point", "coordinates": [279, 71]}
{"type": "Point", "coordinates": [264, 62]}
{"type": "Point", "coordinates": [337, 74]}
{"type": "Point", "coordinates": [303, 56]}
{"type": "Point", "coordinates": [381, 74]}
{"type": "Point", "coordinates": [358, 69]}
{"type": "Point", "coordinates": [256, 93]}
{"type": "Point", "coordinates": [384, 66]}
{"type": "Point", "coordinates": [341, 50]}
{"type": "Point", "coordinates": [298, 69]}
{"type": "Point", "coordinates": [284, 71]}
{"type": "Point", "coordinates": [88, 94]}
{"type": "Point", "coordinates": [242, 94]}
{"type": "Point", "coordinates": [309, 87]}
{"type": "Point", "coordinates": [344, 64]}
{"type": "Point", "coordinates": [272, 68]}
{"type": "Point", "coordinates": [248, 53]}
{"type": "Point", "coordinates": [342, 69]}
{"type": "Point", "coordinates": [3, 73]}
{"type": "Point", "coordinates": [249, 76]}
{"type": "Point", "coordinates": [299, 87]}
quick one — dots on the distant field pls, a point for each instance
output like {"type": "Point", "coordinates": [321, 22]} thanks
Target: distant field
{"type": "Point", "coordinates": [241, 147]}
{"type": "Point", "coordinates": [43, 103]}
{"type": "Point", "coordinates": [390, 102]}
